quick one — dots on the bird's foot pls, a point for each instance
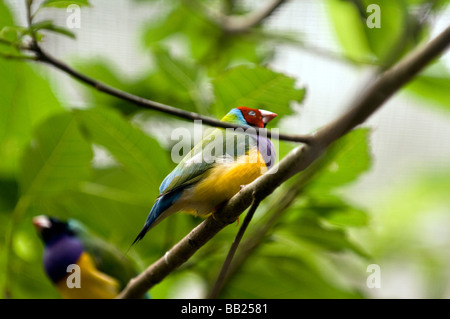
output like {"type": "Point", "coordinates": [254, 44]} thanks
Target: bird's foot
{"type": "Point", "coordinates": [217, 208]}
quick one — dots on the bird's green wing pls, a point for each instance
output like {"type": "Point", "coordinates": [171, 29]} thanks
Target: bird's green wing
{"type": "Point", "coordinates": [219, 146]}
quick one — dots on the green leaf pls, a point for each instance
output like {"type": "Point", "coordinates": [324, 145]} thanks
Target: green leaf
{"type": "Point", "coordinates": [390, 35]}
{"type": "Point", "coordinates": [344, 161]}
{"type": "Point", "coordinates": [433, 85]}
{"type": "Point", "coordinates": [50, 26]}
{"type": "Point", "coordinates": [184, 22]}
{"type": "Point", "coordinates": [180, 79]}
{"type": "Point", "coordinates": [349, 28]}
{"type": "Point", "coordinates": [102, 70]}
{"type": "Point", "coordinates": [8, 32]}
{"type": "Point", "coordinates": [307, 226]}
{"type": "Point", "coordinates": [349, 20]}
{"type": "Point", "coordinates": [106, 72]}
{"type": "Point", "coordinates": [9, 194]}
{"type": "Point", "coordinates": [164, 25]}
{"type": "Point", "coordinates": [136, 151]}
{"type": "Point", "coordinates": [257, 87]}
{"type": "Point", "coordinates": [26, 99]}
{"type": "Point", "coordinates": [336, 211]}
{"type": "Point", "coordinates": [65, 3]}
{"type": "Point", "coordinates": [5, 15]}
{"type": "Point", "coordinates": [58, 157]}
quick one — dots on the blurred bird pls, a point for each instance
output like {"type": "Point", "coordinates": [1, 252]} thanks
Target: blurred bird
{"type": "Point", "coordinates": [215, 169]}
{"type": "Point", "coordinates": [104, 271]}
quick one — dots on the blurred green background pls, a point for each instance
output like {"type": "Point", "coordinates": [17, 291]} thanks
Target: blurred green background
{"type": "Point", "coordinates": [379, 195]}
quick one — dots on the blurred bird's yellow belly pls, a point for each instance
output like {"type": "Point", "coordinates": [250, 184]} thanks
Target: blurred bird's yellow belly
{"type": "Point", "coordinates": [93, 283]}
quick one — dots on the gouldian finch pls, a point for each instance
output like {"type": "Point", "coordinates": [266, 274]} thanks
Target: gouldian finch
{"type": "Point", "coordinates": [215, 169]}
{"type": "Point", "coordinates": [103, 270]}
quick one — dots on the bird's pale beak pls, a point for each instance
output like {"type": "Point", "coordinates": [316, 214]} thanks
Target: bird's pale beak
{"type": "Point", "coordinates": [40, 222]}
{"type": "Point", "coordinates": [267, 116]}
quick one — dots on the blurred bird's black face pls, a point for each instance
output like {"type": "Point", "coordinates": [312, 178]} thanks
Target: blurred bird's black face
{"type": "Point", "coordinates": [50, 228]}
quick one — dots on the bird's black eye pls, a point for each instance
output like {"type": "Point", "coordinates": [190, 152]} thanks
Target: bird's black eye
{"type": "Point", "coordinates": [252, 113]}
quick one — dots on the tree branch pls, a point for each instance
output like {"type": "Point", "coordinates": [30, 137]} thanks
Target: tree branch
{"type": "Point", "coordinates": [297, 160]}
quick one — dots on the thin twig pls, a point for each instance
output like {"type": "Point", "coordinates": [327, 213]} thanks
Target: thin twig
{"type": "Point", "coordinates": [30, 17]}
{"type": "Point", "coordinates": [223, 271]}
{"type": "Point", "coordinates": [28, 4]}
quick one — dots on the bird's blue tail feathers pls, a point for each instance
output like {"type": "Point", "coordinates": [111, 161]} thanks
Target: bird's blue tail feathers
{"type": "Point", "coordinates": [162, 203]}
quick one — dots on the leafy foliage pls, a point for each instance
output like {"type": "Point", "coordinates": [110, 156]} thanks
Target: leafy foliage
{"type": "Point", "coordinates": [95, 165]}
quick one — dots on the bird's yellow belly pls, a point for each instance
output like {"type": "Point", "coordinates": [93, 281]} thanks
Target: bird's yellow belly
{"type": "Point", "coordinates": [223, 182]}
{"type": "Point", "coordinates": [93, 283]}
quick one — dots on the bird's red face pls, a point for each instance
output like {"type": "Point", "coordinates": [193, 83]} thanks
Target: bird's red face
{"type": "Point", "coordinates": [255, 117]}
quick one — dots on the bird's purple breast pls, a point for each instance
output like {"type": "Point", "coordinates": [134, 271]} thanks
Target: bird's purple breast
{"type": "Point", "coordinates": [59, 254]}
{"type": "Point", "coordinates": [267, 150]}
